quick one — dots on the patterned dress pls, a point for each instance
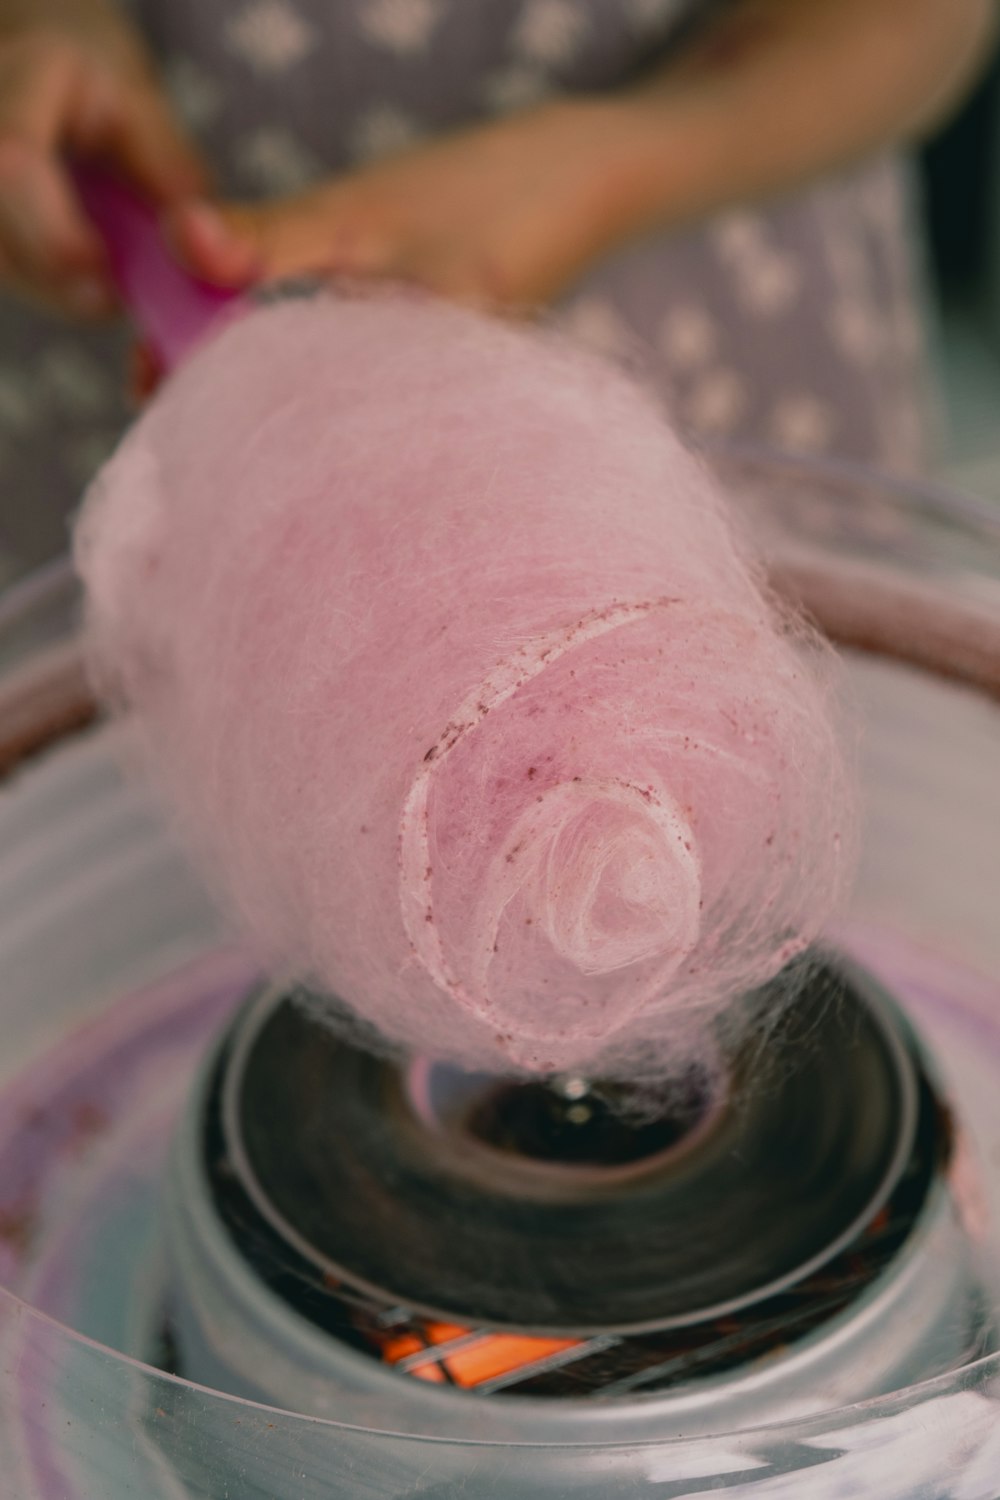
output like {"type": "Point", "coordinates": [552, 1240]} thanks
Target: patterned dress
{"type": "Point", "coordinates": [796, 325]}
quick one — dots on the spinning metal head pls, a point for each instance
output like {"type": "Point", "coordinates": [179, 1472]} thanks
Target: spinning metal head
{"type": "Point", "coordinates": [540, 1237]}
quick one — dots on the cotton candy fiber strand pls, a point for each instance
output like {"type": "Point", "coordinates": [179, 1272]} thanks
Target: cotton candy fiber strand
{"type": "Point", "coordinates": [444, 650]}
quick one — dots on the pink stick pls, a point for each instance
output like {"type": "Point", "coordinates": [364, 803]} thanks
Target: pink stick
{"type": "Point", "coordinates": [171, 308]}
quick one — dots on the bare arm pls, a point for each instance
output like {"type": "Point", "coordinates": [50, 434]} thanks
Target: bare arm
{"type": "Point", "coordinates": [782, 91]}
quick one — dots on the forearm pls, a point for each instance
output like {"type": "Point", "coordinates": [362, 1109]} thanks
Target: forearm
{"type": "Point", "coordinates": [778, 93]}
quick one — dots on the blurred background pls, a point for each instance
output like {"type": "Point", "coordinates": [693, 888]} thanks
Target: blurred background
{"type": "Point", "coordinates": [960, 174]}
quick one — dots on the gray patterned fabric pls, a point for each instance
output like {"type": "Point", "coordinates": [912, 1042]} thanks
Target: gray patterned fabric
{"type": "Point", "coordinates": [796, 325]}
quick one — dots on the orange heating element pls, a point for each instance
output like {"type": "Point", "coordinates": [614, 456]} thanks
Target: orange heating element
{"type": "Point", "coordinates": [449, 1354]}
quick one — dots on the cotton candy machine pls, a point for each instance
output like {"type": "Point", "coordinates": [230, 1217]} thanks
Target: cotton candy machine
{"type": "Point", "coordinates": [244, 1254]}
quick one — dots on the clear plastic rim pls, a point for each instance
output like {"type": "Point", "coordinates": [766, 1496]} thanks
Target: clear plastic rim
{"type": "Point", "coordinates": [929, 494]}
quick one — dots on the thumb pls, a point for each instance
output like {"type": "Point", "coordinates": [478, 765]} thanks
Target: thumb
{"type": "Point", "coordinates": [152, 150]}
{"type": "Point", "coordinates": [234, 244]}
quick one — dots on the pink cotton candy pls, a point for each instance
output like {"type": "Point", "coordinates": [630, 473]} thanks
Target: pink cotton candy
{"type": "Point", "coordinates": [444, 649]}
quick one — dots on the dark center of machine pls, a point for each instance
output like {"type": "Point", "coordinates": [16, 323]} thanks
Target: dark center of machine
{"type": "Point", "coordinates": [412, 1211]}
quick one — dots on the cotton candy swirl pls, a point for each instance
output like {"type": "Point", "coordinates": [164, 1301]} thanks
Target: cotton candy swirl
{"type": "Point", "coordinates": [464, 690]}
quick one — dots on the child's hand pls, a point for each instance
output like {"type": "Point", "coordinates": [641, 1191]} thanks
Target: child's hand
{"type": "Point", "coordinates": [82, 87]}
{"type": "Point", "coordinates": [503, 215]}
